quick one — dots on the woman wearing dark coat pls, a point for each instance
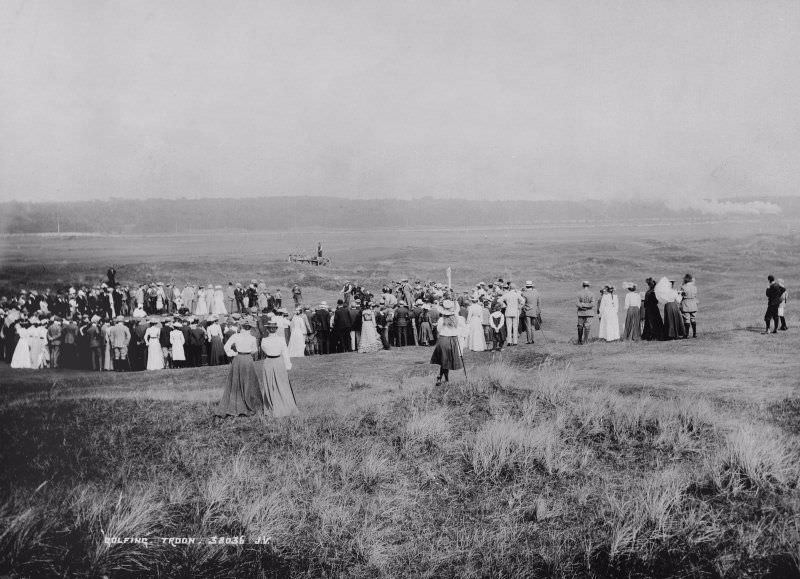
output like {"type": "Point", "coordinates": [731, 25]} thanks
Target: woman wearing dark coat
{"type": "Point", "coordinates": [653, 324]}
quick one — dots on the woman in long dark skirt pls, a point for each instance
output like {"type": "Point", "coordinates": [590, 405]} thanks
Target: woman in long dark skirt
{"type": "Point", "coordinates": [447, 353]}
{"type": "Point", "coordinates": [276, 388]}
{"type": "Point", "coordinates": [242, 394]}
{"type": "Point", "coordinates": [216, 355]}
{"type": "Point", "coordinates": [673, 319]}
{"type": "Point", "coordinates": [653, 324]}
{"type": "Point", "coordinates": [633, 325]}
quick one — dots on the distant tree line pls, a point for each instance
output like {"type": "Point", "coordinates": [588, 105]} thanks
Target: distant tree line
{"type": "Point", "coordinates": [117, 216]}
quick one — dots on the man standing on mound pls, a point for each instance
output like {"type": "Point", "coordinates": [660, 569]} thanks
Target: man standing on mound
{"type": "Point", "coordinates": [585, 305]}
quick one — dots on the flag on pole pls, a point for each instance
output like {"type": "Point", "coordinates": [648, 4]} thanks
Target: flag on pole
{"type": "Point", "coordinates": [449, 277]}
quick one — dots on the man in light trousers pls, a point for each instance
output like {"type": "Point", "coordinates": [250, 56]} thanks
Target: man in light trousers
{"type": "Point", "coordinates": [513, 301]}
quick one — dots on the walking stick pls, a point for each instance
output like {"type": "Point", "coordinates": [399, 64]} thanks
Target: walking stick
{"type": "Point", "coordinates": [461, 355]}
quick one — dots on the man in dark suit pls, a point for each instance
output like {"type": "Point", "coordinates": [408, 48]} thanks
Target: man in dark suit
{"type": "Point", "coordinates": [355, 325]}
{"type": "Point", "coordinates": [238, 295]}
{"type": "Point", "coordinates": [69, 348]}
{"type": "Point", "coordinates": [321, 323]}
{"type": "Point", "coordinates": [341, 327]}
{"type": "Point", "coordinates": [402, 321]}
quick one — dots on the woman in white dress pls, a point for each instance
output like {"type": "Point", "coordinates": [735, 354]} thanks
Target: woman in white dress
{"type": "Point", "coordinates": [201, 309]}
{"type": "Point", "coordinates": [108, 358]}
{"type": "Point", "coordinates": [297, 339]}
{"type": "Point", "coordinates": [155, 358]}
{"type": "Point", "coordinates": [218, 307]}
{"type": "Point", "coordinates": [209, 297]}
{"type": "Point", "coordinates": [37, 336]}
{"type": "Point", "coordinates": [370, 341]}
{"type": "Point", "coordinates": [609, 319]}
{"type": "Point", "coordinates": [476, 341]}
{"type": "Point", "coordinates": [177, 340]}
{"type": "Point", "coordinates": [22, 353]}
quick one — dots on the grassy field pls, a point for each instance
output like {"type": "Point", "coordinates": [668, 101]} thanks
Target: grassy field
{"type": "Point", "coordinates": [673, 459]}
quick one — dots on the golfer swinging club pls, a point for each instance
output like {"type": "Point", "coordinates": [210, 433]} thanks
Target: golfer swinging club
{"type": "Point", "coordinates": [447, 353]}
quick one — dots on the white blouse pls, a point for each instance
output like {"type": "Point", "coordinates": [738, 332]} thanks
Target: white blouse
{"type": "Point", "coordinates": [632, 299]}
{"type": "Point", "coordinates": [244, 341]}
{"type": "Point", "coordinates": [274, 345]}
{"type": "Point", "coordinates": [443, 330]}
{"type": "Point", "coordinates": [213, 330]}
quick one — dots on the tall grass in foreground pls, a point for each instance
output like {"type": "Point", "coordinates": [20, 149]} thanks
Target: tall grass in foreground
{"type": "Point", "coordinates": [512, 473]}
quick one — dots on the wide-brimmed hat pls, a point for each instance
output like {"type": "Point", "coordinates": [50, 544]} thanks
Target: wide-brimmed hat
{"type": "Point", "coordinates": [120, 319]}
{"type": "Point", "coordinates": [629, 285]}
{"type": "Point", "coordinates": [586, 284]}
{"type": "Point", "coordinates": [448, 308]}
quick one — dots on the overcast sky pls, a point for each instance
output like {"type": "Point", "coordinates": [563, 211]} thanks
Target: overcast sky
{"type": "Point", "coordinates": [384, 98]}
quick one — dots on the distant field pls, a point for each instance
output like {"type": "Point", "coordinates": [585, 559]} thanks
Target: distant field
{"type": "Point", "coordinates": [729, 260]}
{"type": "Point", "coordinates": [673, 459]}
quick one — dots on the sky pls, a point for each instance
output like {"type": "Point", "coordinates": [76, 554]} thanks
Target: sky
{"type": "Point", "coordinates": [381, 99]}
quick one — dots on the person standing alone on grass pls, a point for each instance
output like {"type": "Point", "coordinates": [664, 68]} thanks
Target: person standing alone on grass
{"type": "Point", "coordinates": [447, 353]}
{"type": "Point", "coordinates": [585, 304]}
{"type": "Point", "coordinates": [774, 298]}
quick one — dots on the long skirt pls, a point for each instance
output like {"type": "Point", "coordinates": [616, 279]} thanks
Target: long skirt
{"type": "Point", "coordinates": [653, 325]}
{"type": "Point", "coordinates": [370, 341]}
{"type": "Point", "coordinates": [242, 394]}
{"type": "Point", "coordinates": [633, 327]}
{"type": "Point", "coordinates": [38, 348]}
{"type": "Point", "coordinates": [155, 358]}
{"type": "Point", "coordinates": [447, 353]}
{"type": "Point", "coordinates": [22, 354]}
{"type": "Point", "coordinates": [297, 344]}
{"type": "Point", "coordinates": [475, 340]}
{"type": "Point", "coordinates": [108, 363]}
{"type": "Point", "coordinates": [217, 355]}
{"type": "Point", "coordinates": [425, 333]}
{"type": "Point", "coordinates": [673, 321]}
{"type": "Point", "coordinates": [276, 389]}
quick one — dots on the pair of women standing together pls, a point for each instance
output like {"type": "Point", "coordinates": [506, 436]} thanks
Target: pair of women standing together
{"type": "Point", "coordinates": [250, 388]}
